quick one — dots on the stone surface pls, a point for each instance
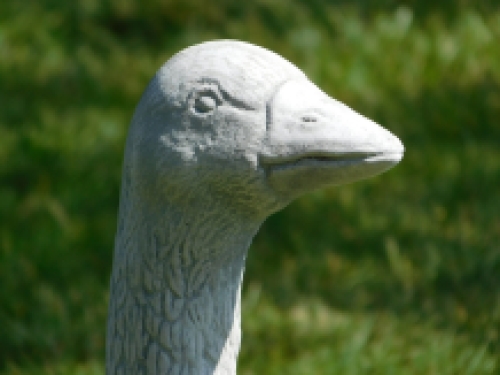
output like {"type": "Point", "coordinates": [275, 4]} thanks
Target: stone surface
{"type": "Point", "coordinates": [225, 134]}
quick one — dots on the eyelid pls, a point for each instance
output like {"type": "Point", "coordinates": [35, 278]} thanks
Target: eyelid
{"type": "Point", "coordinates": [208, 91]}
{"type": "Point", "coordinates": [214, 90]}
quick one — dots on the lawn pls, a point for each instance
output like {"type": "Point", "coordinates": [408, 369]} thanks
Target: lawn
{"type": "Point", "coordinates": [399, 274]}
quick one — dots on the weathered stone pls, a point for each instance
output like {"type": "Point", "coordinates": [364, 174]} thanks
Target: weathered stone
{"type": "Point", "coordinates": [225, 134]}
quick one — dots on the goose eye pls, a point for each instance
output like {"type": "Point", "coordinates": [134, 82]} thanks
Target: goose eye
{"type": "Point", "coordinates": [205, 103]}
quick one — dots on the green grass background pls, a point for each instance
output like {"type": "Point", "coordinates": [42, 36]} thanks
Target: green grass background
{"type": "Point", "coordinates": [399, 274]}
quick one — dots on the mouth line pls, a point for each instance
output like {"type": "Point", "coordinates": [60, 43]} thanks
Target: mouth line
{"type": "Point", "coordinates": [327, 160]}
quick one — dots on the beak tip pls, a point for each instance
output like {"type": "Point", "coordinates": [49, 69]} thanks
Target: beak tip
{"type": "Point", "coordinates": [394, 144]}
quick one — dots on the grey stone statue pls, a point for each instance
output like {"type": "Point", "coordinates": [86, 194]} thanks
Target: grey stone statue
{"type": "Point", "coordinates": [225, 134]}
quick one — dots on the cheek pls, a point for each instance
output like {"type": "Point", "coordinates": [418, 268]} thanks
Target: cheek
{"type": "Point", "coordinates": [241, 131]}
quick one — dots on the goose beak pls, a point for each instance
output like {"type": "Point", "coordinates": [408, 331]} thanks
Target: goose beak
{"type": "Point", "coordinates": [315, 141]}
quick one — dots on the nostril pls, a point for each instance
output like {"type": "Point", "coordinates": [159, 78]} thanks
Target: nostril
{"type": "Point", "coordinates": [309, 118]}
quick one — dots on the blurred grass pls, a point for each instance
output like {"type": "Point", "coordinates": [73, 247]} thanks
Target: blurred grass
{"type": "Point", "coordinates": [397, 274]}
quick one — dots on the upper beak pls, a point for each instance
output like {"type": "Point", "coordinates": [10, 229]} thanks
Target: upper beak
{"type": "Point", "coordinates": [314, 140]}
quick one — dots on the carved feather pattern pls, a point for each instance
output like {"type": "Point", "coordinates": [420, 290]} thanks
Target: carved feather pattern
{"type": "Point", "coordinates": [167, 318]}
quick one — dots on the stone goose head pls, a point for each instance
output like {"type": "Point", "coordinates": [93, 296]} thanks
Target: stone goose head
{"type": "Point", "coordinates": [225, 134]}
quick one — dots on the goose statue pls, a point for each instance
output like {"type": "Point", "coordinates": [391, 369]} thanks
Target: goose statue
{"type": "Point", "coordinates": [225, 134]}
